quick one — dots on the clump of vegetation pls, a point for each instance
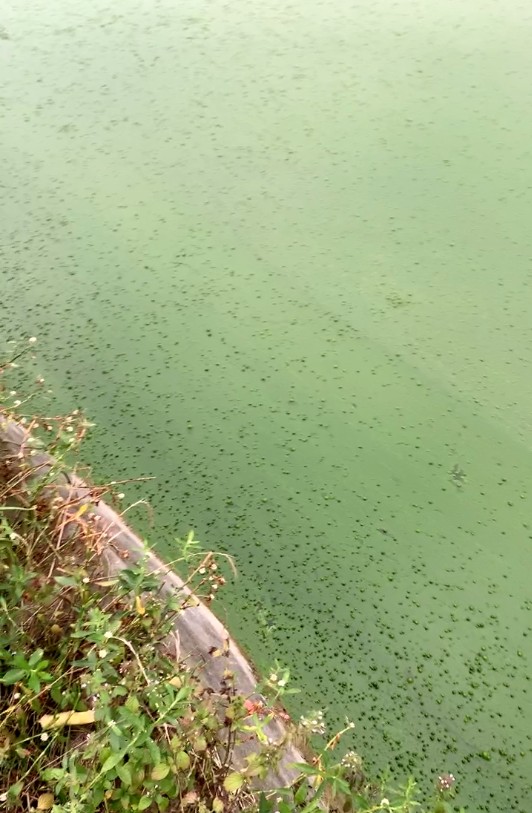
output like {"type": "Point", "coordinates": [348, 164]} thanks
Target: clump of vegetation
{"type": "Point", "coordinates": [97, 713]}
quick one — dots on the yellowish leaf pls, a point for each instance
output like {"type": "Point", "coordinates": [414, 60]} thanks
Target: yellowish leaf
{"type": "Point", "coordinates": [141, 609]}
{"type": "Point", "coordinates": [160, 771]}
{"type": "Point", "coordinates": [233, 782]}
{"type": "Point", "coordinates": [200, 744]}
{"type": "Point", "coordinates": [5, 747]}
{"type": "Point", "coordinates": [218, 805]}
{"type": "Point", "coordinates": [67, 718]}
{"type": "Point", "coordinates": [81, 510]}
{"type": "Point", "coordinates": [45, 801]}
{"type": "Point", "coordinates": [22, 752]}
{"type": "Point", "coordinates": [182, 761]}
{"type": "Point", "coordinates": [176, 682]}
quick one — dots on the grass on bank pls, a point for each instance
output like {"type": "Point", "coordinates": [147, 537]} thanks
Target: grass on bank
{"type": "Point", "coordinates": [96, 714]}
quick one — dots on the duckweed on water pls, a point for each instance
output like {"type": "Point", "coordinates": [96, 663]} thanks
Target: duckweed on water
{"type": "Point", "coordinates": [212, 215]}
{"type": "Point", "coordinates": [97, 714]}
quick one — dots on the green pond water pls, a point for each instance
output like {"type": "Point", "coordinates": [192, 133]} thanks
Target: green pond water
{"type": "Point", "coordinates": [280, 252]}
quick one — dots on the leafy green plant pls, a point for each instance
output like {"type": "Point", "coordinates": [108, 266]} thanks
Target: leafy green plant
{"type": "Point", "coordinates": [101, 719]}
{"type": "Point", "coordinates": [30, 672]}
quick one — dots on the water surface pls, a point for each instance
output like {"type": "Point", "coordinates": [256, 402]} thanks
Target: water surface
{"type": "Point", "coordinates": [280, 253]}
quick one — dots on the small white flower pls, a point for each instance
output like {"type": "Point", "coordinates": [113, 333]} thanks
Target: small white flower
{"type": "Point", "coordinates": [281, 682]}
{"type": "Point", "coordinates": [85, 580]}
{"type": "Point", "coordinates": [102, 653]}
{"type": "Point", "coordinates": [32, 339]}
{"type": "Point", "coordinates": [108, 634]}
{"type": "Point", "coordinates": [17, 403]}
{"type": "Point", "coordinates": [352, 760]}
{"type": "Point", "coordinates": [16, 696]}
{"type": "Point", "coordinates": [385, 802]}
{"type": "Point", "coordinates": [315, 723]}
{"type": "Point", "coordinates": [13, 393]}
{"type": "Point", "coordinates": [45, 736]}
{"type": "Point", "coordinates": [3, 797]}
{"type": "Point", "coordinates": [273, 678]}
{"type": "Point", "coordinates": [120, 496]}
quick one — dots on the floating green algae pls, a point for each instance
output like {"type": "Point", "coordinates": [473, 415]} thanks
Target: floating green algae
{"type": "Point", "coordinates": [280, 253]}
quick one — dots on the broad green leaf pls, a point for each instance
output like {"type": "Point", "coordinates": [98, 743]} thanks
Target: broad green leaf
{"type": "Point", "coordinates": [111, 762]}
{"type": "Point", "coordinates": [124, 774]}
{"type": "Point", "coordinates": [301, 794]}
{"type": "Point", "coordinates": [66, 581]}
{"type": "Point", "coordinates": [309, 770]}
{"type": "Point", "coordinates": [35, 657]}
{"type": "Point", "coordinates": [97, 797]}
{"type": "Point", "coordinates": [167, 786]}
{"type": "Point", "coordinates": [50, 774]}
{"type": "Point", "coordinates": [153, 751]}
{"type": "Point", "coordinates": [160, 771]}
{"type": "Point", "coordinates": [13, 676]}
{"type": "Point", "coordinates": [313, 804]}
{"type": "Point", "coordinates": [233, 782]}
{"type": "Point", "coordinates": [361, 802]}
{"type": "Point", "coordinates": [182, 761]}
{"type": "Point", "coordinates": [265, 805]}
{"type": "Point", "coordinates": [15, 790]}
{"type": "Point", "coordinates": [200, 744]}
{"type": "Point", "coordinates": [144, 803]}
{"type": "Point", "coordinates": [34, 683]}
{"type": "Point", "coordinates": [339, 785]}
{"type": "Point", "coordinates": [20, 661]}
{"type": "Point", "coordinates": [132, 703]}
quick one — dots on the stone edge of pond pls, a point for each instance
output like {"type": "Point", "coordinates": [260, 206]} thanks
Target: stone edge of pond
{"type": "Point", "coordinates": [197, 631]}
